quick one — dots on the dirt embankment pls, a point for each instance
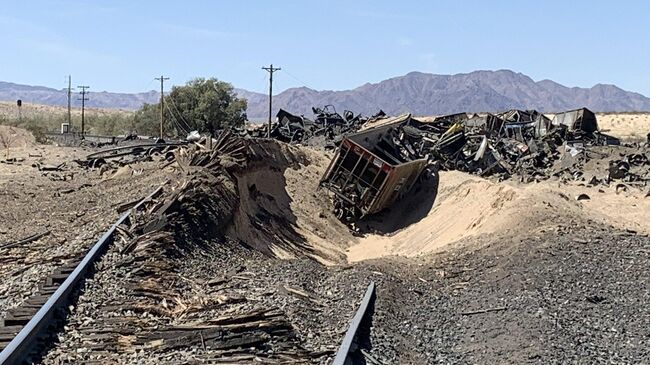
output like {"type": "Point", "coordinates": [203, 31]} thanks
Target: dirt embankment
{"type": "Point", "coordinates": [471, 208]}
{"type": "Point", "coordinates": [281, 210]}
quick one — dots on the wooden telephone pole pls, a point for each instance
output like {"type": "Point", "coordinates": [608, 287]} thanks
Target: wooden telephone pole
{"type": "Point", "coordinates": [83, 107]}
{"type": "Point", "coordinates": [162, 102]}
{"type": "Point", "coordinates": [271, 70]}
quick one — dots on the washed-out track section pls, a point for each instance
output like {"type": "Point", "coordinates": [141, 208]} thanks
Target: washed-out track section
{"type": "Point", "coordinates": [31, 328]}
{"type": "Point", "coordinates": [357, 335]}
{"type": "Point", "coordinates": [27, 327]}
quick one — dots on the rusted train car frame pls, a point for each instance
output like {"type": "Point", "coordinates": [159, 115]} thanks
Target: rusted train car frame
{"type": "Point", "coordinates": [366, 179]}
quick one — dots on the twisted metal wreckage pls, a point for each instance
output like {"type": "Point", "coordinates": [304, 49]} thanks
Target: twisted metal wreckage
{"type": "Point", "coordinates": [327, 123]}
{"type": "Point", "coordinates": [375, 167]}
{"type": "Point", "coordinates": [379, 159]}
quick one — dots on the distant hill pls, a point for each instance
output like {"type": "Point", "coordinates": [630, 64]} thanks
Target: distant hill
{"type": "Point", "coordinates": [418, 93]}
{"type": "Point", "coordinates": [428, 94]}
{"type": "Point", "coordinates": [49, 96]}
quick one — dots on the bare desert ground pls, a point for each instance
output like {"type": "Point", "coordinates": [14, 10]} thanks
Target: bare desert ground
{"type": "Point", "coordinates": [9, 111]}
{"type": "Point", "coordinates": [629, 126]}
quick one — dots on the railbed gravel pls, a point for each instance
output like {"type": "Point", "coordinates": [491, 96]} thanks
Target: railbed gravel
{"type": "Point", "coordinates": [570, 295]}
{"type": "Point", "coordinates": [76, 220]}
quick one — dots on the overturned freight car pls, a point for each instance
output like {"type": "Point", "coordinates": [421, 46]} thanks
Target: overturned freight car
{"type": "Point", "coordinates": [370, 171]}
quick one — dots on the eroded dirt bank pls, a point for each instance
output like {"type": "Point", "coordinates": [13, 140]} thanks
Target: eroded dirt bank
{"type": "Point", "coordinates": [469, 208]}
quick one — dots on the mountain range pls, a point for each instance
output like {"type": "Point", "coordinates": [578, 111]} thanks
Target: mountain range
{"type": "Point", "coordinates": [49, 96]}
{"type": "Point", "coordinates": [416, 92]}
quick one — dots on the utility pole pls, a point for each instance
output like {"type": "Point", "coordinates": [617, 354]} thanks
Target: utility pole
{"type": "Point", "coordinates": [69, 98]}
{"type": "Point", "coordinates": [83, 107]}
{"type": "Point", "coordinates": [271, 70]}
{"type": "Point", "coordinates": [162, 102]}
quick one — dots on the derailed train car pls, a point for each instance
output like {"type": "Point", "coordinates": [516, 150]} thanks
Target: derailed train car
{"type": "Point", "coordinates": [369, 171]}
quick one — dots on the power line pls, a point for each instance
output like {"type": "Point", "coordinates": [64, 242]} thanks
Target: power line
{"type": "Point", "coordinates": [271, 70]}
{"type": "Point", "coordinates": [162, 102]}
{"type": "Point", "coordinates": [297, 79]}
{"type": "Point", "coordinates": [177, 125]}
{"type": "Point", "coordinates": [179, 114]}
{"type": "Point", "coordinates": [174, 121]}
{"type": "Point", "coordinates": [83, 107]}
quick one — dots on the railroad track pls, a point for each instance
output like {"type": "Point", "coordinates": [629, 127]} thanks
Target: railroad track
{"type": "Point", "coordinates": [26, 328]}
{"type": "Point", "coordinates": [350, 352]}
{"type": "Point", "coordinates": [29, 329]}
{"type": "Point", "coordinates": [147, 148]}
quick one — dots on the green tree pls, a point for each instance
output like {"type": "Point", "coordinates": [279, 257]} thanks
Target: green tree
{"type": "Point", "coordinates": [206, 105]}
{"type": "Point", "coordinates": [146, 120]}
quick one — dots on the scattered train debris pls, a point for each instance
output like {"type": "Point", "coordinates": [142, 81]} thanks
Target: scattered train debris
{"type": "Point", "coordinates": [522, 143]}
{"type": "Point", "coordinates": [327, 123]}
{"type": "Point", "coordinates": [379, 159]}
{"type": "Point", "coordinates": [374, 167]}
{"type": "Point", "coordinates": [154, 307]}
{"type": "Point", "coordinates": [370, 171]}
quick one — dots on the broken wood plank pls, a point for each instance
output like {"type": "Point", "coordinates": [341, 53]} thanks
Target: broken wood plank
{"type": "Point", "coordinates": [25, 241]}
{"type": "Point", "coordinates": [481, 311]}
{"type": "Point", "coordinates": [302, 295]}
{"type": "Point", "coordinates": [68, 191]}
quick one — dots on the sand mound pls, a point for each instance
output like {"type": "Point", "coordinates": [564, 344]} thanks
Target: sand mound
{"type": "Point", "coordinates": [280, 210]}
{"type": "Point", "coordinates": [261, 194]}
{"type": "Point", "coordinates": [15, 137]}
{"type": "Point", "coordinates": [469, 207]}
{"type": "Point", "coordinates": [464, 206]}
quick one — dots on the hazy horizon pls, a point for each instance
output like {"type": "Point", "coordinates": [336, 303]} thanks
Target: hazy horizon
{"type": "Point", "coordinates": [277, 92]}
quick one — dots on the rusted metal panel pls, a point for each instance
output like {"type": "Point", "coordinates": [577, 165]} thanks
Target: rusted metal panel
{"type": "Point", "coordinates": [578, 119]}
{"type": "Point", "coordinates": [371, 170]}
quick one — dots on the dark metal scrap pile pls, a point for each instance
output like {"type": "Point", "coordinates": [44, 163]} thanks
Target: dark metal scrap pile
{"type": "Point", "coordinates": [521, 143]}
{"type": "Point", "coordinates": [327, 124]}
{"type": "Point", "coordinates": [632, 170]}
{"type": "Point", "coordinates": [516, 142]}
{"type": "Point", "coordinates": [524, 144]}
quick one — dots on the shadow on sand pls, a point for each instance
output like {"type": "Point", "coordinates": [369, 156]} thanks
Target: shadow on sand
{"type": "Point", "coordinates": [412, 208]}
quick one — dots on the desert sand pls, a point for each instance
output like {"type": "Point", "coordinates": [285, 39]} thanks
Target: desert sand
{"type": "Point", "coordinates": [506, 209]}
{"type": "Point", "coordinates": [628, 126]}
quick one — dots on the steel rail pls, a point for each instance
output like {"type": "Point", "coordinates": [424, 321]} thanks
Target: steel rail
{"type": "Point", "coordinates": [342, 355]}
{"type": "Point", "coordinates": [128, 149]}
{"type": "Point", "coordinates": [20, 347]}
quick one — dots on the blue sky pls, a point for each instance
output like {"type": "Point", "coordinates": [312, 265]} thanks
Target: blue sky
{"type": "Point", "coordinates": [335, 45]}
